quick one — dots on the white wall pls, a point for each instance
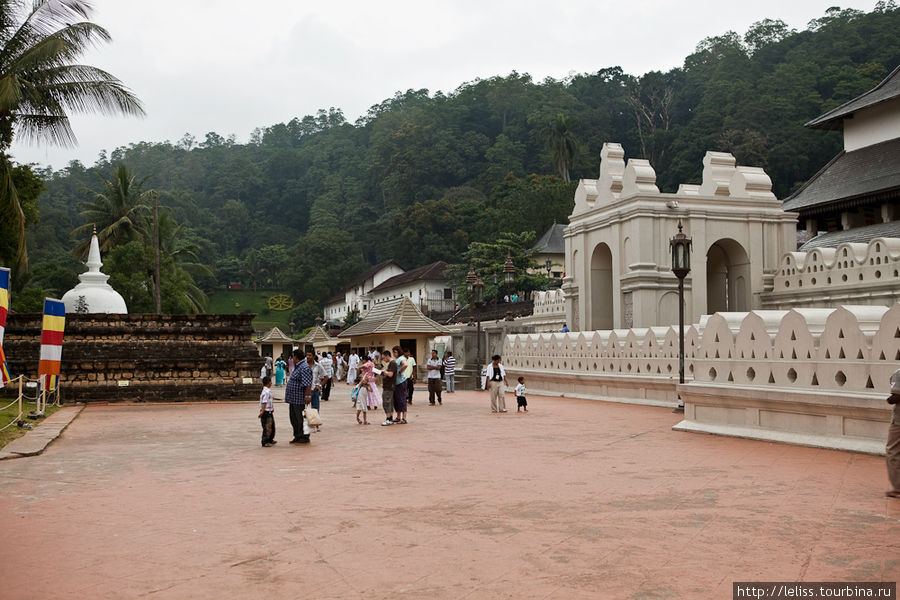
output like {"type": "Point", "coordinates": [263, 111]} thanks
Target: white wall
{"type": "Point", "coordinates": [870, 126]}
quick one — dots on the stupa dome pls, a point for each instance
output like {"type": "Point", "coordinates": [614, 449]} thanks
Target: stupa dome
{"type": "Point", "coordinates": [93, 294]}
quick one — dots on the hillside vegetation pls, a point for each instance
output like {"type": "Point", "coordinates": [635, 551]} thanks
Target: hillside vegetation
{"type": "Point", "coordinates": [306, 205]}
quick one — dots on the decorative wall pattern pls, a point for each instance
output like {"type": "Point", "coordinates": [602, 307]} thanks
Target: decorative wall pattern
{"type": "Point", "coordinates": [851, 348]}
{"type": "Point", "coordinates": [853, 273]}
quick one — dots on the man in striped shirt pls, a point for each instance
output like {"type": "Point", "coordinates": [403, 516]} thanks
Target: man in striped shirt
{"type": "Point", "coordinates": [449, 370]}
{"type": "Point", "coordinates": [297, 393]}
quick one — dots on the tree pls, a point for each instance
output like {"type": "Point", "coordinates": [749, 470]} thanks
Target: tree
{"type": "Point", "coordinates": [118, 212]}
{"type": "Point", "coordinates": [561, 143]}
{"type": "Point", "coordinates": [40, 83]}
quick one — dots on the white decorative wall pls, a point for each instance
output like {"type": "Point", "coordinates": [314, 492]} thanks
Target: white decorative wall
{"type": "Point", "coordinates": [812, 376]}
{"type": "Point", "coordinates": [828, 277]}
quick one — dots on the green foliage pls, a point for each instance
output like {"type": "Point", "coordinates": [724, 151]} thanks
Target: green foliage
{"type": "Point", "coordinates": [41, 81]}
{"type": "Point", "coordinates": [311, 203]}
{"type": "Point", "coordinates": [29, 299]}
{"type": "Point", "coordinates": [24, 186]}
{"type": "Point", "coordinates": [304, 315]}
{"type": "Point", "coordinates": [488, 259]}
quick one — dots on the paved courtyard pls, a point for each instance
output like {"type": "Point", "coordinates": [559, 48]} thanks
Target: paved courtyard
{"type": "Point", "coordinates": [576, 499]}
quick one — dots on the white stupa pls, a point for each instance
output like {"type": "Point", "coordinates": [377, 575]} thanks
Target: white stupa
{"type": "Point", "coordinates": [93, 294]}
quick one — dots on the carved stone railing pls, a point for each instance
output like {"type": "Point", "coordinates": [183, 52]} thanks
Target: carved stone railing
{"type": "Point", "coordinates": [810, 376]}
{"type": "Point", "coordinates": [851, 273]}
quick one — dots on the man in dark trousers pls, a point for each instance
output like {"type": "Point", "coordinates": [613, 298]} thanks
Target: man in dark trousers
{"type": "Point", "coordinates": [297, 394]}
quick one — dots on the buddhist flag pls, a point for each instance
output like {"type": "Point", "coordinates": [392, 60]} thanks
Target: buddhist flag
{"type": "Point", "coordinates": [4, 299]}
{"type": "Point", "coordinates": [51, 343]}
{"type": "Point", "coordinates": [4, 309]}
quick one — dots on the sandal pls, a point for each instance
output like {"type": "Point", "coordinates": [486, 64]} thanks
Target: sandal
{"type": "Point", "coordinates": [893, 494]}
{"type": "Point", "coordinates": [358, 422]}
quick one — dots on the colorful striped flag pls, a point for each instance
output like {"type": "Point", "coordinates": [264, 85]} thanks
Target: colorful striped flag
{"type": "Point", "coordinates": [4, 300]}
{"type": "Point", "coordinates": [4, 309]}
{"type": "Point", "coordinates": [51, 343]}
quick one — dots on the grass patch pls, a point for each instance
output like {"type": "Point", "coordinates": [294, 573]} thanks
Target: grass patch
{"type": "Point", "coordinates": [228, 302]}
{"type": "Point", "coordinates": [8, 414]}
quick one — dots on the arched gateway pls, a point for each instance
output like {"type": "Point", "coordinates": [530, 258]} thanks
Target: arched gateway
{"type": "Point", "coordinates": [739, 235]}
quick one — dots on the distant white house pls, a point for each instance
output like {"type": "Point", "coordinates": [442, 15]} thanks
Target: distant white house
{"type": "Point", "coordinates": [427, 287]}
{"type": "Point", "coordinates": [353, 297]}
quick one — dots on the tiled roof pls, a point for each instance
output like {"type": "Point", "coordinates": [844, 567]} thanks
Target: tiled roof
{"type": "Point", "coordinates": [394, 316]}
{"type": "Point", "coordinates": [274, 335]}
{"type": "Point", "coordinates": [552, 241]}
{"type": "Point", "coordinates": [884, 91]}
{"type": "Point", "coordinates": [432, 272]}
{"type": "Point", "coordinates": [862, 235]}
{"type": "Point", "coordinates": [371, 272]}
{"type": "Point", "coordinates": [319, 338]}
{"type": "Point", "coordinates": [864, 172]}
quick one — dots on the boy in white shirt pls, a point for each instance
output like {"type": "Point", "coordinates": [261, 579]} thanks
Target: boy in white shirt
{"type": "Point", "coordinates": [520, 396]}
{"type": "Point", "coordinates": [267, 413]}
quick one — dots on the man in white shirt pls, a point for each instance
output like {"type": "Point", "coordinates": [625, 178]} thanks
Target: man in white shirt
{"type": "Point", "coordinates": [328, 366]}
{"type": "Point", "coordinates": [351, 368]}
{"type": "Point", "coordinates": [434, 378]}
{"type": "Point", "coordinates": [496, 381]}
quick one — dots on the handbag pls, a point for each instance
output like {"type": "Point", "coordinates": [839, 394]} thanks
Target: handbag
{"type": "Point", "coordinates": [312, 417]}
{"type": "Point", "coordinates": [354, 394]}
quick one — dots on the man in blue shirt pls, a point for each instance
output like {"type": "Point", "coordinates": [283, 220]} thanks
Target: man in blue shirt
{"type": "Point", "coordinates": [297, 393]}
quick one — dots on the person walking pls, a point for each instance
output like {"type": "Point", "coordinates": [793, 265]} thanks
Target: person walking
{"type": "Point", "coordinates": [388, 377]}
{"type": "Point", "coordinates": [318, 376]}
{"type": "Point", "coordinates": [269, 365]}
{"type": "Point", "coordinates": [352, 366]}
{"type": "Point", "coordinates": [450, 371]}
{"type": "Point", "coordinates": [327, 364]}
{"type": "Point", "coordinates": [400, 394]}
{"type": "Point", "coordinates": [280, 367]}
{"type": "Point", "coordinates": [267, 413]}
{"type": "Point", "coordinates": [297, 395]}
{"type": "Point", "coordinates": [892, 450]}
{"type": "Point", "coordinates": [433, 366]}
{"type": "Point", "coordinates": [410, 374]}
{"type": "Point", "coordinates": [496, 380]}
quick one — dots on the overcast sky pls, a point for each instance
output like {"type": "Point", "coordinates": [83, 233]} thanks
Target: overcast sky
{"type": "Point", "coordinates": [230, 66]}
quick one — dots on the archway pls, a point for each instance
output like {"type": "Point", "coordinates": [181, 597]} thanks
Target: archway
{"type": "Point", "coordinates": [727, 277]}
{"type": "Point", "coordinates": [601, 288]}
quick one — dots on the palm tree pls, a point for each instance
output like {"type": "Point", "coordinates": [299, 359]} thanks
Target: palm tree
{"type": "Point", "coordinates": [40, 83]}
{"type": "Point", "coordinates": [562, 144]}
{"type": "Point", "coordinates": [118, 212]}
{"type": "Point", "coordinates": [182, 260]}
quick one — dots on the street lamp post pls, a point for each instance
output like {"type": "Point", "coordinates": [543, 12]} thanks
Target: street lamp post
{"type": "Point", "coordinates": [549, 266]}
{"type": "Point", "coordinates": [681, 266]}
{"type": "Point", "coordinates": [475, 287]}
{"type": "Point", "coordinates": [292, 325]}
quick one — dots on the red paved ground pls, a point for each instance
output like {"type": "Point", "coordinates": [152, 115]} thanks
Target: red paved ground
{"type": "Point", "coordinates": [577, 499]}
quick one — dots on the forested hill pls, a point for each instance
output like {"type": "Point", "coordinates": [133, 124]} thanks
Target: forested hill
{"type": "Point", "coordinates": [306, 205]}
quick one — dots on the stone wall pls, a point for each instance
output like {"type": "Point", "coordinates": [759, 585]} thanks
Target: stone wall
{"type": "Point", "coordinates": [143, 357]}
{"type": "Point", "coordinates": [809, 376]}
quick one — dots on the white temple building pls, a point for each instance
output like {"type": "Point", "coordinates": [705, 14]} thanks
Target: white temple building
{"type": "Point", "coordinates": [93, 294]}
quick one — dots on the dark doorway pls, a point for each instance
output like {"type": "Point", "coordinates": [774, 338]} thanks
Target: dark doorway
{"type": "Point", "coordinates": [411, 346]}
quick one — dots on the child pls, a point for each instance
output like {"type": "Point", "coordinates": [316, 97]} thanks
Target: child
{"type": "Point", "coordinates": [520, 396]}
{"type": "Point", "coordinates": [267, 413]}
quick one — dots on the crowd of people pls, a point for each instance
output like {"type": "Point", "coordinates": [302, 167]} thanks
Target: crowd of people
{"type": "Point", "coordinates": [310, 378]}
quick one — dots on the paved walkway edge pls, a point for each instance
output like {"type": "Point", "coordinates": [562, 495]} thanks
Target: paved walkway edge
{"type": "Point", "coordinates": [816, 441]}
{"type": "Point", "coordinates": [36, 441]}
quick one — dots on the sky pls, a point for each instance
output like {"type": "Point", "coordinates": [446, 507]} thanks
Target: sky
{"type": "Point", "coordinates": [230, 66]}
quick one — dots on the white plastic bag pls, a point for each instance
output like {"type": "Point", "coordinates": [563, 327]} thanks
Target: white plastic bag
{"type": "Point", "coordinates": [306, 429]}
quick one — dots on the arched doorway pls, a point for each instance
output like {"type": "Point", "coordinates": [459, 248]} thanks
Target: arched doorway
{"type": "Point", "coordinates": [601, 288]}
{"type": "Point", "coordinates": [727, 277]}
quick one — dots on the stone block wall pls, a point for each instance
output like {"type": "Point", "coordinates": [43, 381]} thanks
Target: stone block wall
{"type": "Point", "coordinates": [143, 357]}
